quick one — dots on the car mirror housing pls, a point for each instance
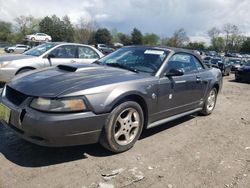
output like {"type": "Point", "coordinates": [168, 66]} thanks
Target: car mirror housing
{"type": "Point", "coordinates": [50, 56]}
{"type": "Point", "coordinates": [174, 72]}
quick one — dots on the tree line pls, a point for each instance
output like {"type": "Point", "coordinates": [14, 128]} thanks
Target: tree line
{"type": "Point", "coordinates": [228, 38]}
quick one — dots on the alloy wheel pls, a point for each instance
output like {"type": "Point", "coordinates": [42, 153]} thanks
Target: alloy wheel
{"type": "Point", "coordinates": [211, 100]}
{"type": "Point", "coordinates": [126, 127]}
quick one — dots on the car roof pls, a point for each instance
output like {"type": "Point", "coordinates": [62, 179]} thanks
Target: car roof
{"type": "Point", "coordinates": [67, 43]}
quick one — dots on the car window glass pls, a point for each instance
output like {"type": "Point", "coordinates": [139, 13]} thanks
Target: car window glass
{"type": "Point", "coordinates": [64, 52]}
{"type": "Point", "coordinates": [87, 53]}
{"type": "Point", "coordinates": [182, 62]}
{"type": "Point", "coordinates": [198, 64]}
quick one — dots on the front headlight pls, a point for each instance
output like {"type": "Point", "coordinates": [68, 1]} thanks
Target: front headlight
{"type": "Point", "coordinates": [58, 105]}
{"type": "Point", "coordinates": [5, 64]}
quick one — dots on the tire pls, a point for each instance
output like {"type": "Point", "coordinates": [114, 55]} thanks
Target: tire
{"type": "Point", "coordinates": [33, 39]}
{"type": "Point", "coordinates": [210, 103]}
{"type": "Point", "coordinates": [123, 127]}
{"type": "Point", "coordinates": [24, 70]}
{"type": "Point", "coordinates": [228, 73]}
{"type": "Point", "coordinates": [11, 51]}
{"type": "Point", "coordinates": [46, 40]}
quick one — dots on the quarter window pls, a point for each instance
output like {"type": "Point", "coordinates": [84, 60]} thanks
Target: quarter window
{"type": "Point", "coordinates": [198, 64]}
{"type": "Point", "coordinates": [87, 53]}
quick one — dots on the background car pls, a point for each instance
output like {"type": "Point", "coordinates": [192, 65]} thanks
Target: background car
{"type": "Point", "coordinates": [235, 63]}
{"type": "Point", "coordinates": [225, 67]}
{"type": "Point", "coordinates": [45, 55]}
{"type": "Point", "coordinates": [243, 72]}
{"type": "Point", "coordinates": [207, 59]}
{"type": "Point", "coordinates": [110, 101]}
{"type": "Point", "coordinates": [104, 48]}
{"type": "Point", "coordinates": [221, 64]}
{"type": "Point", "coordinates": [38, 37]}
{"type": "Point", "coordinates": [19, 48]}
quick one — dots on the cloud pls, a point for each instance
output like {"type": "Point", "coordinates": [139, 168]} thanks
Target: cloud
{"type": "Point", "coordinates": [159, 16]}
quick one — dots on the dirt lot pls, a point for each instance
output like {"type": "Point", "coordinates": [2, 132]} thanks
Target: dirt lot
{"type": "Point", "coordinates": [211, 151]}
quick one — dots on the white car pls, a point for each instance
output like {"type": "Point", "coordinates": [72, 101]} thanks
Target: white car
{"type": "Point", "coordinates": [38, 37]}
{"type": "Point", "coordinates": [46, 55]}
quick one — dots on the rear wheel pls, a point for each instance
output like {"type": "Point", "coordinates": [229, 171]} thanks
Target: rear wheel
{"type": "Point", "coordinates": [46, 40]}
{"type": "Point", "coordinates": [123, 127]}
{"type": "Point", "coordinates": [210, 102]}
{"type": "Point", "coordinates": [33, 39]}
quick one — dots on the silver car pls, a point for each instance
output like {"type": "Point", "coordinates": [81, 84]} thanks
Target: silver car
{"type": "Point", "coordinates": [19, 48]}
{"type": "Point", "coordinates": [45, 55]}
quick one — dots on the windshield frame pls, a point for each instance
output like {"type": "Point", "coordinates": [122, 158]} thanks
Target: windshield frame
{"type": "Point", "coordinates": [103, 60]}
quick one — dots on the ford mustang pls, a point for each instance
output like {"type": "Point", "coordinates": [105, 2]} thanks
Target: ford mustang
{"type": "Point", "coordinates": [110, 101]}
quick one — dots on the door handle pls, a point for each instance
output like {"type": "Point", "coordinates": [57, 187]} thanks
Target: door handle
{"type": "Point", "coordinates": [72, 61]}
{"type": "Point", "coordinates": [198, 79]}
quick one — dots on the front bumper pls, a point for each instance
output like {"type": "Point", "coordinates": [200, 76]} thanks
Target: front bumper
{"type": "Point", "coordinates": [54, 130]}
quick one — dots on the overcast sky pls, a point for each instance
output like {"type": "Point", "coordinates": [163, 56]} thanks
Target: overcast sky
{"type": "Point", "coordinates": [159, 16]}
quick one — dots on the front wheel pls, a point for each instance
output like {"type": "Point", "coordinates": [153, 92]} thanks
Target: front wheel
{"type": "Point", "coordinates": [210, 102]}
{"type": "Point", "coordinates": [123, 127]}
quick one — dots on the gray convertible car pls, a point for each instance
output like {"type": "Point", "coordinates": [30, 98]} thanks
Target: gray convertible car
{"type": "Point", "coordinates": [110, 101]}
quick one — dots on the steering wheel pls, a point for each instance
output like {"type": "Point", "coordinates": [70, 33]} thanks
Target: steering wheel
{"type": "Point", "coordinates": [151, 66]}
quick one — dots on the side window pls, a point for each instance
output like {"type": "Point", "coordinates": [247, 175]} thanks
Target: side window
{"type": "Point", "coordinates": [64, 52]}
{"type": "Point", "coordinates": [198, 64]}
{"type": "Point", "coordinates": [182, 61]}
{"type": "Point", "coordinates": [87, 53]}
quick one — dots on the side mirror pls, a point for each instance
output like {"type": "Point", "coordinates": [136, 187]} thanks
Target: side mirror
{"type": "Point", "coordinates": [174, 72]}
{"type": "Point", "coordinates": [50, 56]}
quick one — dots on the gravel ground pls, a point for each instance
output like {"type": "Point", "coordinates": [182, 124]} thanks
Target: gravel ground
{"type": "Point", "coordinates": [195, 151]}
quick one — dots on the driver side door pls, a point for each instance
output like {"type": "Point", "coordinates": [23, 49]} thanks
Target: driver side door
{"type": "Point", "coordinates": [178, 94]}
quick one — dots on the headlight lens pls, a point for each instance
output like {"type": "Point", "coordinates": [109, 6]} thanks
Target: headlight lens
{"type": "Point", "coordinates": [58, 105]}
{"type": "Point", "coordinates": [5, 64]}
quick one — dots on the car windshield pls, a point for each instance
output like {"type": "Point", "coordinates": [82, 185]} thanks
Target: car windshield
{"type": "Point", "coordinates": [41, 49]}
{"type": "Point", "coordinates": [136, 59]}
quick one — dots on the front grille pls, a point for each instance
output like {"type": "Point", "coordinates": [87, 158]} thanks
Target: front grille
{"type": "Point", "coordinates": [15, 96]}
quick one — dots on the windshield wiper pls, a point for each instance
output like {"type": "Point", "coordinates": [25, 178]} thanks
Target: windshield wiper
{"type": "Point", "coordinates": [122, 67]}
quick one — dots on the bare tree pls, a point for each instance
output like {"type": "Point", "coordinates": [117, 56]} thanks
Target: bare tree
{"type": "Point", "coordinates": [217, 42]}
{"type": "Point", "coordinates": [179, 39]}
{"type": "Point", "coordinates": [231, 36]}
{"type": "Point", "coordinates": [27, 24]}
{"type": "Point", "coordinates": [214, 32]}
{"type": "Point", "coordinates": [84, 30]}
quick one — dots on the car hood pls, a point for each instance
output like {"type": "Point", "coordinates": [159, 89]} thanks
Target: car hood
{"type": "Point", "coordinates": [14, 57]}
{"type": "Point", "coordinates": [59, 81]}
